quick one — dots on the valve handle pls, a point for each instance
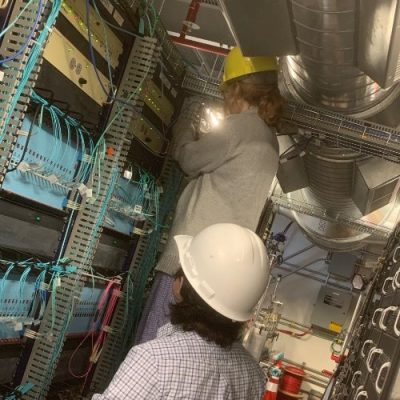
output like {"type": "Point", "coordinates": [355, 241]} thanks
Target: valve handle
{"type": "Point", "coordinates": [355, 375]}
{"type": "Point", "coordinates": [384, 366]}
{"type": "Point", "coordinates": [371, 354]}
{"type": "Point", "coordinates": [383, 317]}
{"type": "Point", "coordinates": [395, 254]}
{"type": "Point", "coordinates": [362, 394]}
{"type": "Point", "coordinates": [363, 354]}
{"type": "Point", "coordinates": [389, 279]}
{"type": "Point", "coordinates": [374, 323]}
{"type": "Point", "coordinates": [396, 282]}
{"type": "Point", "coordinates": [396, 325]}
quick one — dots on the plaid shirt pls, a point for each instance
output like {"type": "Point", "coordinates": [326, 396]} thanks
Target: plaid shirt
{"type": "Point", "coordinates": [182, 365]}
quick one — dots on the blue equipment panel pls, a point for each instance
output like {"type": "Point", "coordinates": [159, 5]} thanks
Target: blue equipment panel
{"type": "Point", "coordinates": [52, 165]}
{"type": "Point", "coordinates": [14, 307]}
{"type": "Point", "coordinates": [15, 304]}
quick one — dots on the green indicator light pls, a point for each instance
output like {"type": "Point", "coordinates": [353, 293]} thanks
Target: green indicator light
{"type": "Point", "coordinates": [37, 218]}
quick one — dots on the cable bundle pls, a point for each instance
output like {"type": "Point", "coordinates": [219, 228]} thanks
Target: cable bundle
{"type": "Point", "coordinates": [33, 57]}
{"type": "Point", "coordinates": [48, 272]}
{"type": "Point", "coordinates": [71, 142]}
{"type": "Point", "coordinates": [99, 329]}
{"type": "Point", "coordinates": [141, 274]}
{"type": "Point", "coordinates": [137, 199]}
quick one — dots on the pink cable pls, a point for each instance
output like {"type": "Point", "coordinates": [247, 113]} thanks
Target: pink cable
{"type": "Point", "coordinates": [92, 331]}
{"type": "Point", "coordinates": [96, 349]}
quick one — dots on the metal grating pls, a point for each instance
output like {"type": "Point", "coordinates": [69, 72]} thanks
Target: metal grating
{"type": "Point", "coordinates": [320, 212]}
{"type": "Point", "coordinates": [12, 42]}
{"type": "Point", "coordinates": [86, 231]}
{"type": "Point", "coordinates": [202, 86]}
{"type": "Point", "coordinates": [340, 130]}
{"type": "Point", "coordinates": [343, 131]}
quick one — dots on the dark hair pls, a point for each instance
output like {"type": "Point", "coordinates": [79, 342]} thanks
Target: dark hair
{"type": "Point", "coordinates": [194, 314]}
{"type": "Point", "coordinates": [258, 91]}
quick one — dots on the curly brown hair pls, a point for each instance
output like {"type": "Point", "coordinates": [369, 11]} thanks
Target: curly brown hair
{"type": "Point", "coordinates": [259, 90]}
{"type": "Point", "coordinates": [194, 314]}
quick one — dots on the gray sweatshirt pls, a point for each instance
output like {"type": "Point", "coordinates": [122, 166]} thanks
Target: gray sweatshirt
{"type": "Point", "coordinates": [230, 171]}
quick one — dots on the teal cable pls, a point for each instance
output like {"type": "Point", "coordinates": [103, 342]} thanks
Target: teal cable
{"type": "Point", "coordinates": [22, 283]}
{"type": "Point", "coordinates": [30, 64]}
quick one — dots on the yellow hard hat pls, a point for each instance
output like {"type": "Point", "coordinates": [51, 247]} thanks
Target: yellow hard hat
{"type": "Point", "coordinates": [236, 65]}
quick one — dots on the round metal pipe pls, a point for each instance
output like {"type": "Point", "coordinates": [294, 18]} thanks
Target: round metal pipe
{"type": "Point", "coordinates": [323, 73]}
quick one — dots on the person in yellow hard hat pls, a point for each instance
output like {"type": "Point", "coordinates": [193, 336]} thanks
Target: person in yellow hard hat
{"type": "Point", "coordinates": [230, 169]}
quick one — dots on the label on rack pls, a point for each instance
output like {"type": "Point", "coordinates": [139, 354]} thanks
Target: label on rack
{"type": "Point", "coordinates": [137, 209]}
{"type": "Point", "coordinates": [335, 327]}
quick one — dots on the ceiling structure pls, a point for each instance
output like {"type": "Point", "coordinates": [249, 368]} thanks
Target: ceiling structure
{"type": "Point", "coordinates": [205, 39]}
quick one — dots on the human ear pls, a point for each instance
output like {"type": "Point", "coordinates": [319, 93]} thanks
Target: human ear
{"type": "Point", "coordinates": [177, 287]}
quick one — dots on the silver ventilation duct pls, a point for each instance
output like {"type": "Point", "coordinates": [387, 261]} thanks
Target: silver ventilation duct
{"type": "Point", "coordinates": [324, 72]}
{"type": "Point", "coordinates": [321, 66]}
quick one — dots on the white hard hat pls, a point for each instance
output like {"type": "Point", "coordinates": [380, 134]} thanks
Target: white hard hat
{"type": "Point", "coordinates": [227, 265]}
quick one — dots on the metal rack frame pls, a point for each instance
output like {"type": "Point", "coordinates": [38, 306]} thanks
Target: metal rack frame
{"type": "Point", "coordinates": [115, 346]}
{"type": "Point", "coordinates": [12, 77]}
{"type": "Point", "coordinates": [86, 232]}
{"type": "Point", "coordinates": [319, 212]}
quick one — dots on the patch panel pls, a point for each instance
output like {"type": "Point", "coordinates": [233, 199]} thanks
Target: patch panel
{"type": "Point", "coordinates": [14, 306]}
{"type": "Point", "coordinates": [67, 59]}
{"type": "Point", "coordinates": [27, 181]}
{"type": "Point", "coordinates": [149, 135]}
{"type": "Point", "coordinates": [103, 38]}
{"type": "Point", "coordinates": [157, 101]}
{"type": "Point", "coordinates": [14, 309]}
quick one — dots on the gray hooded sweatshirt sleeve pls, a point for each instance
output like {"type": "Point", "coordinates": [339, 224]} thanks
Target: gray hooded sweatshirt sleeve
{"type": "Point", "coordinates": [230, 172]}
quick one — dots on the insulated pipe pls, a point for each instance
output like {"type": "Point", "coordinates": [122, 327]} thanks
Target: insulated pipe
{"type": "Point", "coordinates": [323, 73]}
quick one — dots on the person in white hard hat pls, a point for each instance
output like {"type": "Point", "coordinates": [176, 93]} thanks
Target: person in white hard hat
{"type": "Point", "coordinates": [230, 169]}
{"type": "Point", "coordinates": [198, 355]}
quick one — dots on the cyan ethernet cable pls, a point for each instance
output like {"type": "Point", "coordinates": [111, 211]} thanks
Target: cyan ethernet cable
{"type": "Point", "coordinates": [31, 62]}
{"type": "Point", "coordinates": [59, 149]}
{"type": "Point", "coordinates": [19, 391]}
